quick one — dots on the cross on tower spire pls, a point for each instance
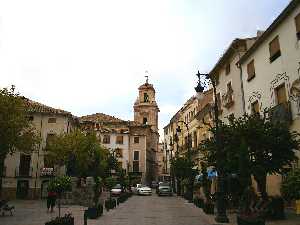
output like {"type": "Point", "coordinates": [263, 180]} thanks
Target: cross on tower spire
{"type": "Point", "coordinates": [147, 76]}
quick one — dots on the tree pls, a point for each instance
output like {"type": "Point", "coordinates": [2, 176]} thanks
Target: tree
{"type": "Point", "coordinates": [82, 154]}
{"type": "Point", "coordinates": [290, 187]}
{"type": "Point", "coordinates": [16, 131]}
{"type": "Point", "coordinates": [268, 146]}
{"type": "Point", "coordinates": [60, 185]}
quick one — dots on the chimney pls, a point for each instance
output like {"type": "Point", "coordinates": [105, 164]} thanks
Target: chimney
{"type": "Point", "coordinates": [259, 33]}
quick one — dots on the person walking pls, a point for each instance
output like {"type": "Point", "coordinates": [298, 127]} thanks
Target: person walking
{"type": "Point", "coordinates": [51, 200]}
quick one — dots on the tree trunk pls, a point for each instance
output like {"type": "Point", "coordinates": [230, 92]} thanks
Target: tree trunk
{"type": "Point", "coordinates": [261, 180]}
{"type": "Point", "coordinates": [2, 158]}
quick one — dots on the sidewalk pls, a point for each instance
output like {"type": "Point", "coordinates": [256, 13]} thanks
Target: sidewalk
{"type": "Point", "coordinates": [291, 219]}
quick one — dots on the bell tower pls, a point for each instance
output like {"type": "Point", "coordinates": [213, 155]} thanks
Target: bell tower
{"type": "Point", "coordinates": [145, 107]}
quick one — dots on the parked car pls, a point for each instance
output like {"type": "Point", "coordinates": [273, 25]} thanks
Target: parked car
{"type": "Point", "coordinates": [164, 188]}
{"type": "Point", "coordinates": [144, 190]}
{"type": "Point", "coordinates": [116, 190]}
{"type": "Point", "coordinates": [135, 188]}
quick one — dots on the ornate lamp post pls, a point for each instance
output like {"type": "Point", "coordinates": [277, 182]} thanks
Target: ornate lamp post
{"type": "Point", "coordinates": [221, 202]}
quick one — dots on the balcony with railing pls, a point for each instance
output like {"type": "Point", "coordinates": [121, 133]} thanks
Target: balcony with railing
{"type": "Point", "coordinates": [47, 172]}
{"type": "Point", "coordinates": [281, 113]}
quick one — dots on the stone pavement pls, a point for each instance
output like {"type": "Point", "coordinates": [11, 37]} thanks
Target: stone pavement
{"type": "Point", "coordinates": [141, 210]}
{"type": "Point", "coordinates": [138, 210]}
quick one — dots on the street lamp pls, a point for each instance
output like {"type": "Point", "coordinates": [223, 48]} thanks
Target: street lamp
{"type": "Point", "coordinates": [221, 201]}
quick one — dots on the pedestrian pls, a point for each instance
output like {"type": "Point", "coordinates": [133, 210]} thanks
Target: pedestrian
{"type": "Point", "coordinates": [51, 199]}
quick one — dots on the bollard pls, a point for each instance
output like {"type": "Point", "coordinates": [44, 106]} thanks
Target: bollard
{"type": "Point", "coordinates": [85, 217]}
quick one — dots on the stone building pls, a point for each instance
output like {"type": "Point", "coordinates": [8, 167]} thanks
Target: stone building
{"type": "Point", "coordinates": [26, 175]}
{"type": "Point", "coordinates": [271, 74]}
{"type": "Point", "coordinates": [192, 130]}
{"type": "Point", "coordinates": [135, 143]}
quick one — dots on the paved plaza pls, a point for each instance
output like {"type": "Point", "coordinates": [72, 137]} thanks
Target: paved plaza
{"type": "Point", "coordinates": [138, 210]}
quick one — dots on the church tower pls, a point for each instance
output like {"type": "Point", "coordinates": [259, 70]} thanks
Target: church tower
{"type": "Point", "coordinates": [145, 107]}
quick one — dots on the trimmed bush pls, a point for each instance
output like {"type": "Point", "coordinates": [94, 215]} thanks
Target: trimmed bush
{"type": "Point", "coordinates": [199, 202]}
{"type": "Point", "coordinates": [275, 209]}
{"type": "Point", "coordinates": [95, 212]}
{"type": "Point", "coordinates": [110, 204]}
{"type": "Point", "coordinates": [65, 220]}
{"type": "Point", "coordinates": [209, 208]}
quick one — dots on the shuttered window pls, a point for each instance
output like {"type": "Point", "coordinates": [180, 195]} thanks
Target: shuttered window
{"type": "Point", "coordinates": [106, 139]}
{"type": "Point", "coordinates": [119, 140]}
{"type": "Point", "coordinates": [274, 48]}
{"type": "Point", "coordinates": [251, 70]}
{"type": "Point", "coordinates": [297, 21]}
{"type": "Point", "coordinates": [281, 94]}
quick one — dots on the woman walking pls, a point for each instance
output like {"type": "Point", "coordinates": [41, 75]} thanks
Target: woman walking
{"type": "Point", "coordinates": [51, 199]}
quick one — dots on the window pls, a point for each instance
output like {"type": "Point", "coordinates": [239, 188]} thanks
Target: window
{"type": "Point", "coordinates": [136, 140]}
{"type": "Point", "coordinates": [255, 107]}
{"type": "Point", "coordinates": [106, 139]}
{"type": "Point", "coordinates": [229, 87]}
{"type": "Point", "coordinates": [251, 70]}
{"type": "Point", "coordinates": [297, 21]}
{"type": "Point", "coordinates": [135, 166]}
{"type": "Point", "coordinates": [24, 167]}
{"type": "Point", "coordinates": [51, 120]}
{"type": "Point", "coordinates": [30, 118]}
{"type": "Point", "coordinates": [281, 94]}
{"type": "Point", "coordinates": [145, 121]}
{"type": "Point", "coordinates": [97, 126]}
{"type": "Point", "coordinates": [48, 162]}
{"type": "Point", "coordinates": [195, 139]}
{"type": "Point", "coordinates": [274, 49]}
{"type": "Point", "coordinates": [227, 69]}
{"type": "Point", "coordinates": [136, 155]}
{"type": "Point", "coordinates": [119, 152]}
{"type": "Point", "coordinates": [119, 140]}
{"type": "Point", "coordinates": [146, 97]}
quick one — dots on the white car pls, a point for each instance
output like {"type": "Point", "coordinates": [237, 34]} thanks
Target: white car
{"type": "Point", "coordinates": [144, 190]}
{"type": "Point", "coordinates": [116, 190]}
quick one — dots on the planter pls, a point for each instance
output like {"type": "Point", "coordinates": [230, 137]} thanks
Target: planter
{"type": "Point", "coordinates": [298, 207]}
{"type": "Point", "coordinates": [66, 220]}
{"type": "Point", "coordinates": [209, 208]}
{"type": "Point", "coordinates": [250, 221]}
{"type": "Point", "coordinates": [95, 212]}
{"type": "Point", "coordinates": [110, 204]}
{"type": "Point", "coordinates": [276, 209]}
{"type": "Point", "coordinates": [199, 202]}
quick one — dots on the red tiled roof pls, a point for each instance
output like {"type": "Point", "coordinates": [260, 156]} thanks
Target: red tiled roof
{"type": "Point", "coordinates": [35, 107]}
{"type": "Point", "coordinates": [99, 117]}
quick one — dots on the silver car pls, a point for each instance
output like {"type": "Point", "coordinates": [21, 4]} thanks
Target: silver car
{"type": "Point", "coordinates": [164, 188]}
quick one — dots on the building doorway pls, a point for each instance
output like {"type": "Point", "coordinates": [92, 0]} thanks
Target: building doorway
{"type": "Point", "coordinates": [22, 189]}
{"type": "Point", "coordinates": [44, 189]}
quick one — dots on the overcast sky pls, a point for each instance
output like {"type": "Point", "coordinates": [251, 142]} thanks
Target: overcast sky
{"type": "Point", "coordinates": [91, 56]}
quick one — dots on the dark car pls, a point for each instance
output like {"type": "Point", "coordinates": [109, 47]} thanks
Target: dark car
{"type": "Point", "coordinates": [154, 184]}
{"type": "Point", "coordinates": [164, 188]}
